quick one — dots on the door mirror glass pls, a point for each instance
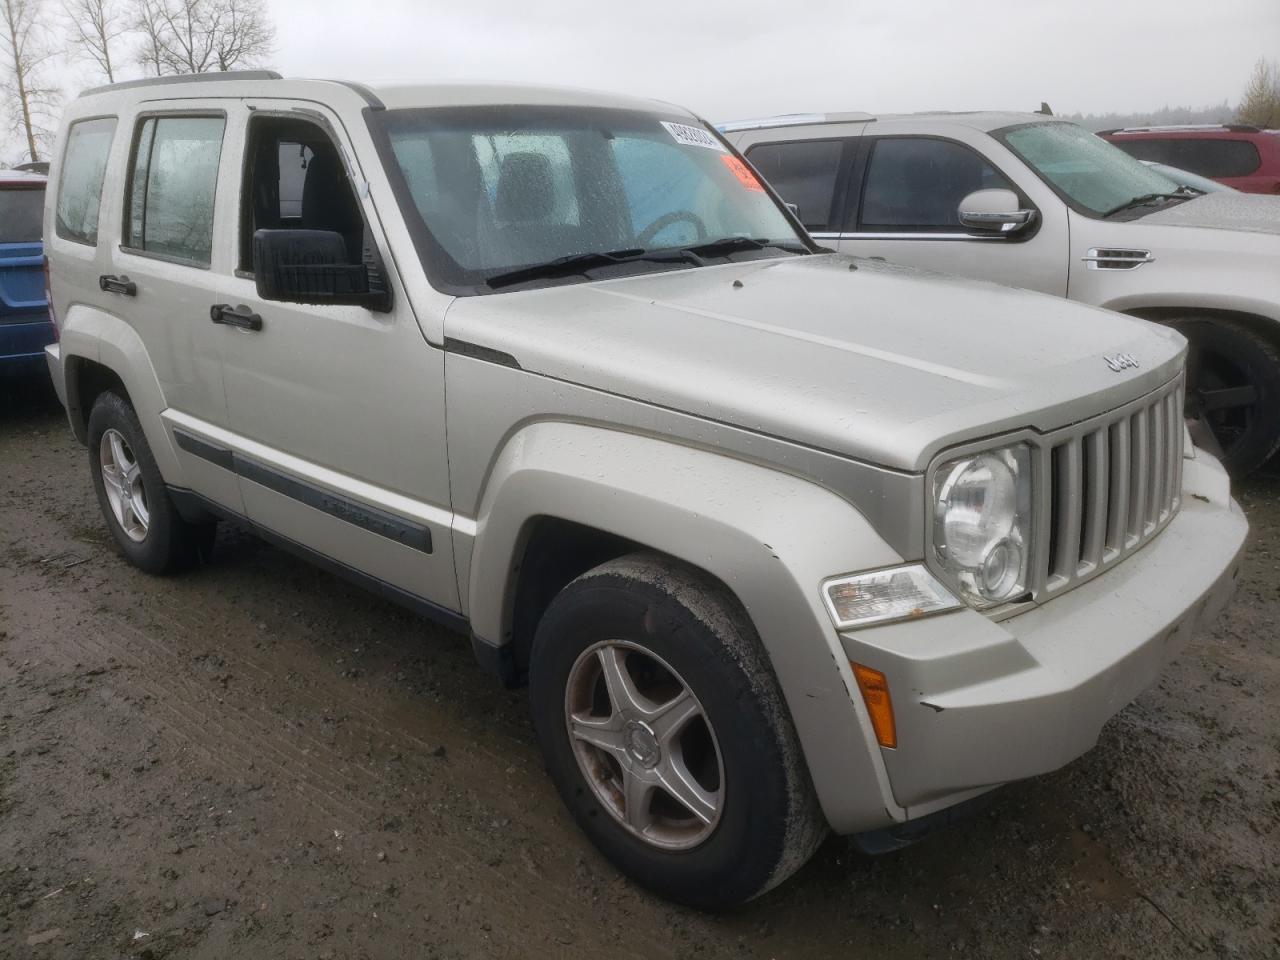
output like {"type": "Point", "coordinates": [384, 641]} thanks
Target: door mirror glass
{"type": "Point", "coordinates": [311, 266]}
{"type": "Point", "coordinates": [994, 211]}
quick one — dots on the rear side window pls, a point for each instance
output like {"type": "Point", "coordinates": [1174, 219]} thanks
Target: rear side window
{"type": "Point", "coordinates": [21, 210]}
{"type": "Point", "coordinates": [803, 173]}
{"type": "Point", "coordinates": [171, 187]}
{"type": "Point", "coordinates": [1214, 158]}
{"type": "Point", "coordinates": [84, 165]}
{"type": "Point", "coordinates": [917, 183]}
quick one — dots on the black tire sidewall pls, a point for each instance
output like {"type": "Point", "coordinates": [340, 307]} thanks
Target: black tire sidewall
{"type": "Point", "coordinates": [740, 857]}
{"type": "Point", "coordinates": [1260, 361]}
{"type": "Point", "coordinates": [156, 552]}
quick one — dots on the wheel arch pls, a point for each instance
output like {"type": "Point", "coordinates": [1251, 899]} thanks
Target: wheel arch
{"type": "Point", "coordinates": [770, 538]}
{"type": "Point", "coordinates": [1263, 326]}
{"type": "Point", "coordinates": [102, 351]}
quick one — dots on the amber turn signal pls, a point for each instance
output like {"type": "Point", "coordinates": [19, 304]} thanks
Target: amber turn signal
{"type": "Point", "coordinates": [875, 694]}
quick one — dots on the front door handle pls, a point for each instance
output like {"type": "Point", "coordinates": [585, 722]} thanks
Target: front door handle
{"type": "Point", "coordinates": [241, 316]}
{"type": "Point", "coordinates": [121, 285]}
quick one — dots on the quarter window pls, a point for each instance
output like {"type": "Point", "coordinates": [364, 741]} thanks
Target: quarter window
{"type": "Point", "coordinates": [84, 165]}
{"type": "Point", "coordinates": [171, 191]}
{"type": "Point", "coordinates": [917, 183]}
{"type": "Point", "coordinates": [804, 173]}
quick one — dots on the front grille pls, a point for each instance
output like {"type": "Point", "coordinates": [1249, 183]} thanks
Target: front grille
{"type": "Point", "coordinates": [1113, 482]}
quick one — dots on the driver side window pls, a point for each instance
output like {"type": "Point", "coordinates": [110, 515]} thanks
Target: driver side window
{"type": "Point", "coordinates": [915, 184]}
{"type": "Point", "coordinates": [295, 179]}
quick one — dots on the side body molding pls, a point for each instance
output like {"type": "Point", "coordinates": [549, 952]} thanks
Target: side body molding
{"type": "Point", "coordinates": [771, 537]}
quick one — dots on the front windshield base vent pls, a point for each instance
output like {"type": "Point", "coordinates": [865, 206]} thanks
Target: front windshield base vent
{"type": "Point", "coordinates": [1112, 259]}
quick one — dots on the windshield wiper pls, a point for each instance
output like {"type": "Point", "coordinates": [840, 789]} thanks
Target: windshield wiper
{"type": "Point", "coordinates": [727, 245]}
{"type": "Point", "coordinates": [1147, 198]}
{"type": "Point", "coordinates": [577, 263]}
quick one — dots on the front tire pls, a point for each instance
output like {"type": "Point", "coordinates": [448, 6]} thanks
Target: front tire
{"type": "Point", "coordinates": [1233, 389]}
{"type": "Point", "coordinates": [665, 732]}
{"type": "Point", "coordinates": [142, 519]}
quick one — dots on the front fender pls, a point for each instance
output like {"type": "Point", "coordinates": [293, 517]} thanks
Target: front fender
{"type": "Point", "coordinates": [772, 538]}
{"type": "Point", "coordinates": [91, 334]}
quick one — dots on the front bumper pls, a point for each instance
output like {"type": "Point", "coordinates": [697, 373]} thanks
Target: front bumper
{"type": "Point", "coordinates": [979, 703]}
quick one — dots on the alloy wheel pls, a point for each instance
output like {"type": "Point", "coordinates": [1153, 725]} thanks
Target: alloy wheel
{"type": "Point", "coordinates": [645, 745]}
{"type": "Point", "coordinates": [122, 481]}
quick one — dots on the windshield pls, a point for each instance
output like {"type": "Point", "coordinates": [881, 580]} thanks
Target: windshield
{"type": "Point", "coordinates": [21, 214]}
{"type": "Point", "coordinates": [1091, 174]}
{"type": "Point", "coordinates": [489, 191]}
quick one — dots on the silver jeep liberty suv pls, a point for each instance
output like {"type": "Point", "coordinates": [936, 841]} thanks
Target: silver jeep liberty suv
{"type": "Point", "coordinates": [781, 541]}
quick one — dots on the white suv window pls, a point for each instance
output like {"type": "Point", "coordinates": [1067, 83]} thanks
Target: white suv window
{"type": "Point", "coordinates": [171, 192]}
{"type": "Point", "coordinates": [804, 173]}
{"type": "Point", "coordinates": [83, 167]}
{"type": "Point", "coordinates": [915, 184]}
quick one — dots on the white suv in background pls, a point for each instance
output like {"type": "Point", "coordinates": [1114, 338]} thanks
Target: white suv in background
{"type": "Point", "coordinates": [1031, 201]}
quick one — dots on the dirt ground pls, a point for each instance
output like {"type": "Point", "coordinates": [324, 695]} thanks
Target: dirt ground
{"type": "Point", "coordinates": [256, 760]}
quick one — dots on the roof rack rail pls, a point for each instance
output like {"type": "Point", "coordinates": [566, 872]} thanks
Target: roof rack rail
{"type": "Point", "coordinates": [1185, 128]}
{"type": "Point", "coordinates": [794, 120]}
{"type": "Point", "coordinates": [212, 77]}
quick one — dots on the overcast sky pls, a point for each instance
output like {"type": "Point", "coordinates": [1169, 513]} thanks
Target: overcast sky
{"type": "Point", "coordinates": [730, 59]}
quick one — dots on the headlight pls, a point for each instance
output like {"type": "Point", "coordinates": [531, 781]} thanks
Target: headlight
{"type": "Point", "coordinates": [982, 524]}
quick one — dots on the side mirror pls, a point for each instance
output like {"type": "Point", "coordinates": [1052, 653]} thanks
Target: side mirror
{"type": "Point", "coordinates": [994, 211]}
{"type": "Point", "coordinates": [794, 208]}
{"type": "Point", "coordinates": [312, 266]}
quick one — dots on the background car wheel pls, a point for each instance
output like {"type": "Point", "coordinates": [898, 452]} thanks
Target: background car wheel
{"type": "Point", "coordinates": [1233, 389]}
{"type": "Point", "coordinates": [665, 732]}
{"type": "Point", "coordinates": [142, 519]}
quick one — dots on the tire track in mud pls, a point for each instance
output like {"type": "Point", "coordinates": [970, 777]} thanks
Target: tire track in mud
{"type": "Point", "coordinates": [225, 736]}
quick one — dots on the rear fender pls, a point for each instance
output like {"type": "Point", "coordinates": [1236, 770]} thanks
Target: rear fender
{"type": "Point", "coordinates": [91, 334]}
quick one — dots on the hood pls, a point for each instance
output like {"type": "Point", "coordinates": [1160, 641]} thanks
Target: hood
{"type": "Point", "coordinates": [882, 363]}
{"type": "Point", "coordinates": [1243, 212]}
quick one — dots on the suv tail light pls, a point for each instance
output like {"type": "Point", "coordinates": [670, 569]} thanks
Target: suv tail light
{"type": "Point", "coordinates": [48, 297]}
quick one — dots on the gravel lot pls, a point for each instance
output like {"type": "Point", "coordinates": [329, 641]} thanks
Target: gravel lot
{"type": "Point", "coordinates": [257, 760]}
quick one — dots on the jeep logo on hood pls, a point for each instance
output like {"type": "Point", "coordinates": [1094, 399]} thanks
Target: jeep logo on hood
{"type": "Point", "coordinates": [1122, 361]}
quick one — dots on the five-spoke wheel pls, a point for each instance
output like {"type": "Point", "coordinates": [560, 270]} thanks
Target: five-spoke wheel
{"type": "Point", "coordinates": [644, 744]}
{"type": "Point", "coordinates": [122, 478]}
{"type": "Point", "coordinates": [666, 734]}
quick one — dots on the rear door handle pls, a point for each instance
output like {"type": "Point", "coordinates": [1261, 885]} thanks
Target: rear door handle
{"type": "Point", "coordinates": [121, 285]}
{"type": "Point", "coordinates": [241, 316]}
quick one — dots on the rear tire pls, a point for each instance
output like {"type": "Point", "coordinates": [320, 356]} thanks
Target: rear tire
{"type": "Point", "coordinates": [1233, 389]}
{"type": "Point", "coordinates": [142, 519]}
{"type": "Point", "coordinates": [677, 639]}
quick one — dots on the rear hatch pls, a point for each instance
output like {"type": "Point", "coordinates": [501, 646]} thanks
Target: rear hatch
{"type": "Point", "coordinates": [23, 308]}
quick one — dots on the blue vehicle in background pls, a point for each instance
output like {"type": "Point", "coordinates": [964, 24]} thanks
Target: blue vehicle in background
{"type": "Point", "coordinates": [25, 326]}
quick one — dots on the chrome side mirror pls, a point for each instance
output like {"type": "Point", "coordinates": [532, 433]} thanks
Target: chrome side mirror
{"type": "Point", "coordinates": [994, 211]}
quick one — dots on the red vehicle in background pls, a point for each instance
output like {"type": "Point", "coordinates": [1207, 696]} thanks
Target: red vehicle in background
{"type": "Point", "coordinates": [1241, 156]}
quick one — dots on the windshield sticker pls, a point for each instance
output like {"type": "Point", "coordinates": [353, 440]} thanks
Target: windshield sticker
{"type": "Point", "coordinates": [692, 136]}
{"type": "Point", "coordinates": [742, 172]}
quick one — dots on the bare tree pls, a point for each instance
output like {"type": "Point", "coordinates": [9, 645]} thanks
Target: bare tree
{"type": "Point", "coordinates": [95, 27]}
{"type": "Point", "coordinates": [1260, 104]}
{"type": "Point", "coordinates": [147, 21]}
{"type": "Point", "coordinates": [200, 36]}
{"type": "Point", "coordinates": [24, 51]}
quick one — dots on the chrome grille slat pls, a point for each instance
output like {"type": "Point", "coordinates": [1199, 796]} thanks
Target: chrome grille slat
{"type": "Point", "coordinates": [1139, 472]}
{"type": "Point", "coordinates": [1066, 519]}
{"type": "Point", "coordinates": [1118, 527]}
{"type": "Point", "coordinates": [1097, 484]}
{"type": "Point", "coordinates": [1111, 484]}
